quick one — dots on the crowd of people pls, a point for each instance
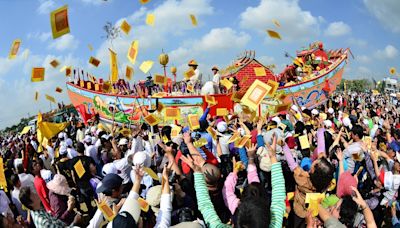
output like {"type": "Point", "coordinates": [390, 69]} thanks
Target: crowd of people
{"type": "Point", "coordinates": [336, 165]}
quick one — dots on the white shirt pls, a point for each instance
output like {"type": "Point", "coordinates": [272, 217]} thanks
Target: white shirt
{"type": "Point", "coordinates": [71, 153]}
{"type": "Point", "coordinates": [196, 77]}
{"type": "Point", "coordinates": [124, 168]}
{"type": "Point", "coordinates": [50, 152]}
{"type": "Point", "coordinates": [17, 202]}
{"type": "Point", "coordinates": [4, 204]}
{"type": "Point", "coordinates": [79, 135]}
{"type": "Point", "coordinates": [46, 175]}
{"type": "Point", "coordinates": [216, 78]}
{"type": "Point", "coordinates": [91, 151]}
{"type": "Point", "coordinates": [26, 179]}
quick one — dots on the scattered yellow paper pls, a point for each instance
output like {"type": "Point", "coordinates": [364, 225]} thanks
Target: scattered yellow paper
{"type": "Point", "coordinates": [151, 120]}
{"type": "Point", "coordinates": [146, 66]}
{"type": "Point", "coordinates": [14, 49]}
{"type": "Point", "coordinates": [150, 19]}
{"type": "Point", "coordinates": [199, 143]}
{"type": "Point", "coordinates": [125, 27]}
{"type": "Point", "coordinates": [151, 173]}
{"type": "Point", "coordinates": [159, 95]}
{"type": "Point", "coordinates": [235, 137]}
{"type": "Point", "coordinates": [90, 47]}
{"type": "Point", "coordinates": [304, 143]}
{"type": "Point", "coordinates": [58, 90]}
{"type": "Point", "coordinates": [175, 131]}
{"type": "Point", "coordinates": [260, 71]}
{"type": "Point", "coordinates": [133, 51]}
{"type": "Point", "coordinates": [36, 95]}
{"type": "Point", "coordinates": [242, 142]}
{"type": "Point", "coordinates": [79, 169]}
{"type": "Point", "coordinates": [226, 83]}
{"type": "Point", "coordinates": [276, 22]}
{"type": "Point", "coordinates": [313, 199]}
{"type": "Point", "coordinates": [210, 99]}
{"type": "Point", "coordinates": [172, 113]}
{"type": "Point", "coordinates": [3, 181]}
{"type": "Point", "coordinates": [54, 63]}
{"type": "Point", "coordinates": [144, 1]}
{"type": "Point", "coordinates": [106, 210]}
{"type": "Point", "coordinates": [368, 141]}
{"type": "Point", "coordinates": [160, 79]}
{"type": "Point", "coordinates": [222, 112]}
{"type": "Point", "coordinates": [113, 66]}
{"type": "Point", "coordinates": [290, 195]}
{"type": "Point", "coordinates": [189, 73]}
{"type": "Point", "coordinates": [212, 132]}
{"type": "Point", "coordinates": [190, 88]}
{"type": "Point", "coordinates": [273, 34]}
{"type": "Point", "coordinates": [37, 74]}
{"type": "Point", "coordinates": [255, 94]}
{"type": "Point", "coordinates": [323, 116]}
{"type": "Point", "coordinates": [95, 62]}
{"type": "Point", "coordinates": [144, 206]}
{"type": "Point", "coordinates": [274, 87]}
{"type": "Point", "coordinates": [50, 98]}
{"type": "Point", "coordinates": [59, 22]}
{"type": "Point", "coordinates": [193, 120]}
{"type": "Point", "coordinates": [129, 72]}
{"type": "Point", "coordinates": [193, 19]}
{"type": "Point", "coordinates": [282, 126]}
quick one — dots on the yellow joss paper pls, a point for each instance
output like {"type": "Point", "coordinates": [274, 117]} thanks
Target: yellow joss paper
{"type": "Point", "coordinates": [282, 126]}
{"type": "Point", "coordinates": [146, 66]}
{"type": "Point", "coordinates": [210, 99]}
{"type": "Point", "coordinates": [368, 141]}
{"type": "Point", "coordinates": [151, 173]}
{"type": "Point", "coordinates": [151, 120]}
{"type": "Point", "coordinates": [226, 83]}
{"type": "Point", "coordinates": [36, 95]}
{"type": "Point", "coordinates": [212, 132]}
{"type": "Point", "coordinates": [125, 27]}
{"type": "Point", "coordinates": [160, 79]}
{"type": "Point", "coordinates": [144, 1]}
{"type": "Point", "coordinates": [290, 195]}
{"type": "Point", "coordinates": [274, 34]}
{"type": "Point", "coordinates": [175, 131]}
{"type": "Point", "coordinates": [59, 22]}
{"type": "Point", "coordinates": [90, 47]}
{"type": "Point", "coordinates": [58, 90]}
{"type": "Point", "coordinates": [259, 71]}
{"type": "Point", "coordinates": [106, 210]}
{"type": "Point", "coordinates": [129, 72]}
{"type": "Point", "coordinates": [144, 206]}
{"type": "Point", "coordinates": [255, 94]}
{"type": "Point", "coordinates": [14, 49]}
{"type": "Point", "coordinates": [79, 169]}
{"type": "Point", "coordinates": [222, 112]}
{"type": "Point", "coordinates": [323, 116]}
{"type": "Point", "coordinates": [95, 62]}
{"type": "Point", "coordinates": [234, 137]}
{"type": "Point", "coordinates": [133, 51]}
{"type": "Point", "coordinates": [276, 22]}
{"type": "Point", "coordinates": [199, 143]}
{"type": "Point", "coordinates": [189, 73]}
{"type": "Point", "coordinates": [150, 19]}
{"type": "Point", "coordinates": [3, 182]}
{"type": "Point", "coordinates": [313, 199]}
{"type": "Point", "coordinates": [172, 113]}
{"type": "Point", "coordinates": [54, 63]}
{"type": "Point", "coordinates": [304, 143]}
{"type": "Point", "coordinates": [274, 87]}
{"type": "Point", "coordinates": [193, 120]}
{"type": "Point", "coordinates": [243, 141]}
{"type": "Point", "coordinates": [50, 98]}
{"type": "Point", "coordinates": [190, 88]}
{"type": "Point", "coordinates": [392, 71]}
{"type": "Point", "coordinates": [37, 74]}
{"type": "Point", "coordinates": [193, 19]}
{"type": "Point", "coordinates": [159, 95]}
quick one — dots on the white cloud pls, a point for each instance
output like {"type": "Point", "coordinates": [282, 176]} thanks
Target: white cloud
{"type": "Point", "coordinates": [41, 36]}
{"type": "Point", "coordinates": [363, 70]}
{"type": "Point", "coordinates": [357, 42]}
{"type": "Point", "coordinates": [219, 39]}
{"type": "Point", "coordinates": [363, 58]}
{"type": "Point", "coordinates": [296, 24]}
{"type": "Point", "coordinates": [96, 2]}
{"type": "Point", "coordinates": [66, 42]}
{"type": "Point", "coordinates": [386, 11]}
{"type": "Point", "coordinates": [266, 60]}
{"type": "Point", "coordinates": [389, 52]}
{"type": "Point", "coordinates": [46, 6]}
{"type": "Point", "coordinates": [338, 28]}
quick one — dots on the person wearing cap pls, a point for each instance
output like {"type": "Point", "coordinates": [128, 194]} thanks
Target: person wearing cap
{"type": "Point", "coordinates": [216, 79]}
{"type": "Point", "coordinates": [71, 152]}
{"type": "Point", "coordinates": [91, 150]}
{"type": "Point", "coordinates": [82, 180]}
{"type": "Point", "coordinates": [60, 200]}
{"type": "Point", "coordinates": [196, 79]}
{"type": "Point", "coordinates": [111, 188]}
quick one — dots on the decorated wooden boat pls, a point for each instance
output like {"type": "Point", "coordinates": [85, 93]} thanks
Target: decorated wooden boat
{"type": "Point", "coordinates": [125, 109]}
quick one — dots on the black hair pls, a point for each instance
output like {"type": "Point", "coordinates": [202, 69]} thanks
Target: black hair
{"type": "Point", "coordinates": [299, 127]}
{"type": "Point", "coordinates": [166, 131]}
{"type": "Point", "coordinates": [358, 130]}
{"type": "Point", "coordinates": [322, 175]}
{"type": "Point", "coordinates": [347, 211]}
{"type": "Point", "coordinates": [14, 179]}
{"type": "Point", "coordinates": [254, 190]}
{"type": "Point", "coordinates": [25, 197]}
{"type": "Point", "coordinates": [80, 148]}
{"type": "Point", "coordinates": [252, 212]}
{"type": "Point", "coordinates": [20, 168]}
{"type": "Point", "coordinates": [40, 163]}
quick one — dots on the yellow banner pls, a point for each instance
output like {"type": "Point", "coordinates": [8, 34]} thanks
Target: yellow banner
{"type": "Point", "coordinates": [113, 66]}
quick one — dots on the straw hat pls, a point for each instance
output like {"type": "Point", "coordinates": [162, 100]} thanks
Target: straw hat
{"type": "Point", "coordinates": [59, 185]}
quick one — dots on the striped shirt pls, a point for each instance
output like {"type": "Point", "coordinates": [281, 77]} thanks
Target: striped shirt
{"type": "Point", "coordinates": [277, 205]}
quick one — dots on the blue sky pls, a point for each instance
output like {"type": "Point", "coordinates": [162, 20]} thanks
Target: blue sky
{"type": "Point", "coordinates": [226, 28]}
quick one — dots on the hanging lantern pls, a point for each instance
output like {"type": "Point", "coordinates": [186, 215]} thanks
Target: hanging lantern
{"type": "Point", "coordinates": [163, 58]}
{"type": "Point", "coordinates": [173, 70]}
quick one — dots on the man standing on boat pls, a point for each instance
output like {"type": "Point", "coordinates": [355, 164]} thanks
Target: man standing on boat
{"type": "Point", "coordinates": [216, 79]}
{"type": "Point", "coordinates": [196, 79]}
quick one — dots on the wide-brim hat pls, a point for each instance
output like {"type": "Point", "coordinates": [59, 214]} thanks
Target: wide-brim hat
{"type": "Point", "coordinates": [59, 185]}
{"type": "Point", "coordinates": [192, 63]}
{"type": "Point", "coordinates": [215, 68]}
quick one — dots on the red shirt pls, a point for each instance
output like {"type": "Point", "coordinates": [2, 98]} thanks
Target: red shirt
{"type": "Point", "coordinates": [43, 192]}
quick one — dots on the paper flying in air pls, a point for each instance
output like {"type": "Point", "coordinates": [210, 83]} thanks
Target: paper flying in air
{"type": "Point", "coordinates": [125, 27]}
{"type": "Point", "coordinates": [95, 62]}
{"type": "Point", "coordinates": [58, 90]}
{"type": "Point", "coordinates": [90, 47]}
{"type": "Point", "coordinates": [14, 49]}
{"type": "Point", "coordinates": [274, 34]}
{"type": "Point", "coordinates": [276, 22]}
{"type": "Point", "coordinates": [59, 22]}
{"type": "Point", "coordinates": [150, 19]}
{"type": "Point", "coordinates": [36, 95]}
{"type": "Point", "coordinates": [50, 98]}
{"type": "Point", "coordinates": [193, 19]}
{"type": "Point", "coordinates": [146, 66]}
{"type": "Point", "coordinates": [37, 74]}
{"type": "Point", "coordinates": [54, 63]}
{"type": "Point", "coordinates": [255, 94]}
{"type": "Point", "coordinates": [129, 72]}
{"type": "Point", "coordinates": [193, 120]}
{"type": "Point", "coordinates": [144, 1]}
{"type": "Point", "coordinates": [304, 143]}
{"type": "Point", "coordinates": [133, 51]}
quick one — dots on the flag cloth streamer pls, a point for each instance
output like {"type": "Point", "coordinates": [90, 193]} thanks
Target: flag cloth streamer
{"type": "Point", "coordinates": [37, 74]}
{"type": "Point", "coordinates": [47, 130]}
{"type": "Point", "coordinates": [14, 49]}
{"type": "Point", "coordinates": [113, 66]}
{"type": "Point", "coordinates": [59, 22]}
{"type": "Point", "coordinates": [3, 182]}
{"type": "Point", "coordinates": [133, 51]}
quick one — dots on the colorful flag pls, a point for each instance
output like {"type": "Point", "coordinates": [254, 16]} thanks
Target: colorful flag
{"type": "Point", "coordinates": [113, 66]}
{"type": "Point", "coordinates": [133, 51]}
{"type": "Point", "coordinates": [14, 49]}
{"type": "Point", "coordinates": [37, 74]}
{"type": "Point", "coordinates": [59, 22]}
